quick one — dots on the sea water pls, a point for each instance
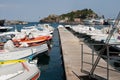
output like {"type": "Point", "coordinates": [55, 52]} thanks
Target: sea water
{"type": "Point", "coordinates": [53, 69]}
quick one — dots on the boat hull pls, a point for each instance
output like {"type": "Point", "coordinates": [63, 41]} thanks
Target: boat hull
{"type": "Point", "coordinates": [19, 53]}
{"type": "Point", "coordinates": [19, 71]}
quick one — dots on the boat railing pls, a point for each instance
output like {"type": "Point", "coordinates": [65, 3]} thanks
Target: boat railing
{"type": "Point", "coordinates": [103, 64]}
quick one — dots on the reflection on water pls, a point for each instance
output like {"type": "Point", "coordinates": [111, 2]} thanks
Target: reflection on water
{"type": "Point", "coordinates": [50, 64]}
{"type": "Point", "coordinates": [43, 59]}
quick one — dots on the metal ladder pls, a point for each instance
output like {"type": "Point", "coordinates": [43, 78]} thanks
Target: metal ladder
{"type": "Point", "coordinates": [115, 27]}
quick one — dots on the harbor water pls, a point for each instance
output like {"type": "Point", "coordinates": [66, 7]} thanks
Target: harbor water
{"type": "Point", "coordinates": [53, 70]}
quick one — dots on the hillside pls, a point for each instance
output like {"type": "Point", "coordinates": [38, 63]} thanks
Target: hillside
{"type": "Point", "coordinates": [72, 16]}
{"type": "Point", "coordinates": [82, 14]}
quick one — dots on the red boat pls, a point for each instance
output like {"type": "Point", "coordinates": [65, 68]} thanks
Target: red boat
{"type": "Point", "coordinates": [32, 41]}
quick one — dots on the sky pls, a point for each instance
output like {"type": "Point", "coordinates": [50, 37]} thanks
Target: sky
{"type": "Point", "coordinates": [34, 10]}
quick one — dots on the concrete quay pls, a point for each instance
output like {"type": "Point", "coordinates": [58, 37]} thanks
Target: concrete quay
{"type": "Point", "coordinates": [71, 54]}
{"type": "Point", "coordinates": [71, 51]}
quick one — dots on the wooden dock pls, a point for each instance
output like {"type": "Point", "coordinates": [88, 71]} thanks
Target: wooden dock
{"type": "Point", "coordinates": [71, 50]}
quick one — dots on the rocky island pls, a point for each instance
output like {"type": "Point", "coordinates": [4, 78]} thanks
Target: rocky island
{"type": "Point", "coordinates": [73, 17]}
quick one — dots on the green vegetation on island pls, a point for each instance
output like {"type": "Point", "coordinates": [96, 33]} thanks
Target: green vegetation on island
{"type": "Point", "coordinates": [73, 16]}
{"type": "Point", "coordinates": [82, 14]}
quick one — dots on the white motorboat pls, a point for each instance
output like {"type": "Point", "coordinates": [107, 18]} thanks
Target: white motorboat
{"type": "Point", "coordinates": [22, 45]}
{"type": "Point", "coordinates": [60, 26]}
{"type": "Point", "coordinates": [18, 70]}
{"type": "Point", "coordinates": [83, 29]}
{"type": "Point", "coordinates": [46, 27]}
{"type": "Point", "coordinates": [34, 31]}
{"type": "Point", "coordinates": [11, 53]}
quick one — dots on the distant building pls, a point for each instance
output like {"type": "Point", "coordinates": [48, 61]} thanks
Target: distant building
{"type": "Point", "coordinates": [61, 21]}
{"type": "Point", "coordinates": [64, 20]}
{"type": "Point", "coordinates": [77, 20]}
{"type": "Point", "coordinates": [94, 21]}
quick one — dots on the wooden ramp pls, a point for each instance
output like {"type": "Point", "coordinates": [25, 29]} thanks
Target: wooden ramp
{"type": "Point", "coordinates": [71, 50]}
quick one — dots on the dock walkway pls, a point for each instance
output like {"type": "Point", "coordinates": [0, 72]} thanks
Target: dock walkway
{"type": "Point", "coordinates": [71, 50]}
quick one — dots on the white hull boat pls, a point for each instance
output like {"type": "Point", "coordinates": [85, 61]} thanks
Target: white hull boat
{"type": "Point", "coordinates": [19, 71]}
{"type": "Point", "coordinates": [46, 27]}
{"type": "Point", "coordinates": [18, 53]}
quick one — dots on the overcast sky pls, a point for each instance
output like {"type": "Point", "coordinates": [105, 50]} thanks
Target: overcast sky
{"type": "Point", "coordinates": [33, 10]}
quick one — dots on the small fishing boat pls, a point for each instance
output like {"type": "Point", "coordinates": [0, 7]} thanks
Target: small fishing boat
{"type": "Point", "coordinates": [11, 52]}
{"type": "Point", "coordinates": [21, 45]}
{"type": "Point", "coordinates": [34, 40]}
{"type": "Point", "coordinates": [18, 70]}
{"type": "Point", "coordinates": [31, 36]}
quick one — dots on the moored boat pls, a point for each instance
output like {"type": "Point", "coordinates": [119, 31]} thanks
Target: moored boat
{"type": "Point", "coordinates": [19, 70]}
{"type": "Point", "coordinates": [11, 52]}
{"type": "Point", "coordinates": [46, 27]}
{"type": "Point", "coordinates": [33, 40]}
{"type": "Point", "coordinates": [21, 45]}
